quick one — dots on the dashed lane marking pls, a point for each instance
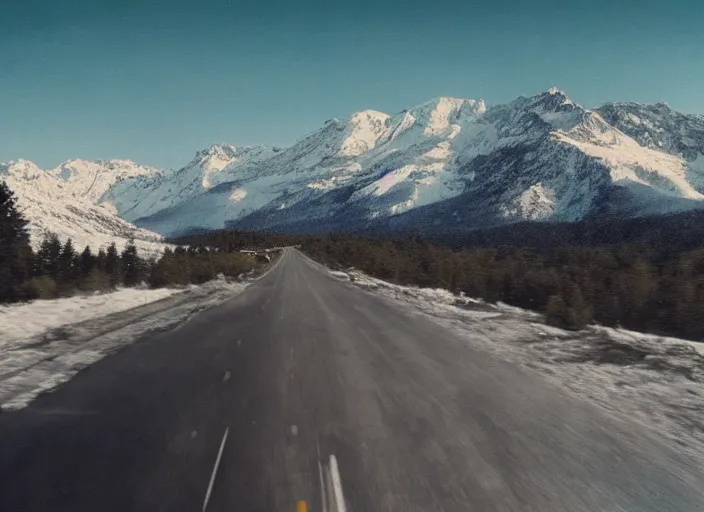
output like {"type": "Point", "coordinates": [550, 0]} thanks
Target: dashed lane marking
{"type": "Point", "coordinates": [337, 485]}
{"type": "Point", "coordinates": [215, 469]}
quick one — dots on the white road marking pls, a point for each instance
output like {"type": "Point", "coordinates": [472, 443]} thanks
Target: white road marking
{"type": "Point", "coordinates": [215, 469]}
{"type": "Point", "coordinates": [227, 376]}
{"type": "Point", "coordinates": [323, 500]}
{"type": "Point", "coordinates": [337, 485]}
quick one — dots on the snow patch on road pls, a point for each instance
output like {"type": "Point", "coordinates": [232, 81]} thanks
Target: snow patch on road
{"type": "Point", "coordinates": [653, 379]}
{"type": "Point", "coordinates": [45, 343]}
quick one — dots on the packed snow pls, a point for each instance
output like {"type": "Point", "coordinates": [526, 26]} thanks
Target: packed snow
{"type": "Point", "coordinates": [26, 320]}
{"type": "Point", "coordinates": [340, 275]}
{"type": "Point", "coordinates": [653, 379]}
{"type": "Point", "coordinates": [45, 343]}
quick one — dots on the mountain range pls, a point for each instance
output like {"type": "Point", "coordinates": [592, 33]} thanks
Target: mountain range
{"type": "Point", "coordinates": [448, 165]}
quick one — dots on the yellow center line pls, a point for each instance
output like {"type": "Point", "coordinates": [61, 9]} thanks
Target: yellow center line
{"type": "Point", "coordinates": [302, 507]}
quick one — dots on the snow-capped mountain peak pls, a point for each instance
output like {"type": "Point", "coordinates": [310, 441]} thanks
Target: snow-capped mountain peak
{"type": "Point", "coordinates": [554, 108]}
{"type": "Point", "coordinates": [215, 158]}
{"type": "Point", "coordinates": [552, 101]}
{"type": "Point", "coordinates": [658, 127]}
{"type": "Point", "coordinates": [441, 113]}
{"type": "Point", "coordinates": [93, 178]}
{"type": "Point", "coordinates": [24, 175]}
{"type": "Point", "coordinates": [221, 149]}
{"type": "Point", "coordinates": [20, 167]}
{"type": "Point", "coordinates": [449, 163]}
{"type": "Point", "coordinates": [362, 132]}
{"type": "Point", "coordinates": [142, 196]}
{"type": "Point", "coordinates": [540, 157]}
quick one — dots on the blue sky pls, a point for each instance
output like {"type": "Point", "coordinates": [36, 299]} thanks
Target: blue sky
{"type": "Point", "coordinates": [154, 81]}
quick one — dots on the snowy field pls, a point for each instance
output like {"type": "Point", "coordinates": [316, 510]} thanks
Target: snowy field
{"type": "Point", "coordinates": [45, 343]}
{"type": "Point", "coordinates": [652, 379]}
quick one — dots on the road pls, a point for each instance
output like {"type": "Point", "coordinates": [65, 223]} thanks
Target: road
{"type": "Point", "coordinates": [301, 366]}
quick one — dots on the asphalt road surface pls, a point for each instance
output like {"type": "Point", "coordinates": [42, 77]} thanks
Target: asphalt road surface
{"type": "Point", "coordinates": [301, 366]}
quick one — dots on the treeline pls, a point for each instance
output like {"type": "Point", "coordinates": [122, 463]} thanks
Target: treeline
{"type": "Point", "coordinates": [649, 287]}
{"type": "Point", "coordinates": [59, 269]}
{"type": "Point", "coordinates": [674, 233]}
{"type": "Point", "coordinates": [632, 286]}
{"type": "Point", "coordinates": [198, 264]}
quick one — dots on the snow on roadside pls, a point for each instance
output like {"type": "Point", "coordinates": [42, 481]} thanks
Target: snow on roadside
{"type": "Point", "coordinates": [340, 275]}
{"type": "Point", "coordinates": [45, 343]}
{"type": "Point", "coordinates": [21, 321]}
{"type": "Point", "coordinates": [655, 380]}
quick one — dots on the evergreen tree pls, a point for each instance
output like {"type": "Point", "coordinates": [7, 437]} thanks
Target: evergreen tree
{"type": "Point", "coordinates": [67, 272]}
{"type": "Point", "coordinates": [168, 270]}
{"type": "Point", "coordinates": [87, 261]}
{"type": "Point", "coordinates": [132, 266]}
{"type": "Point", "coordinates": [113, 266]}
{"type": "Point", "coordinates": [100, 260]}
{"type": "Point", "coordinates": [15, 252]}
{"type": "Point", "coordinates": [48, 256]}
{"type": "Point", "coordinates": [96, 280]}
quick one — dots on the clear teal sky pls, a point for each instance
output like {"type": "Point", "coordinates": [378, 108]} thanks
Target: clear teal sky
{"type": "Point", "coordinates": [156, 80]}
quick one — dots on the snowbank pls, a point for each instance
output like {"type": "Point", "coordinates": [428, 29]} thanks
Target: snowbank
{"type": "Point", "coordinates": [340, 275]}
{"type": "Point", "coordinates": [45, 343]}
{"type": "Point", "coordinates": [21, 321]}
{"type": "Point", "coordinates": [655, 380]}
